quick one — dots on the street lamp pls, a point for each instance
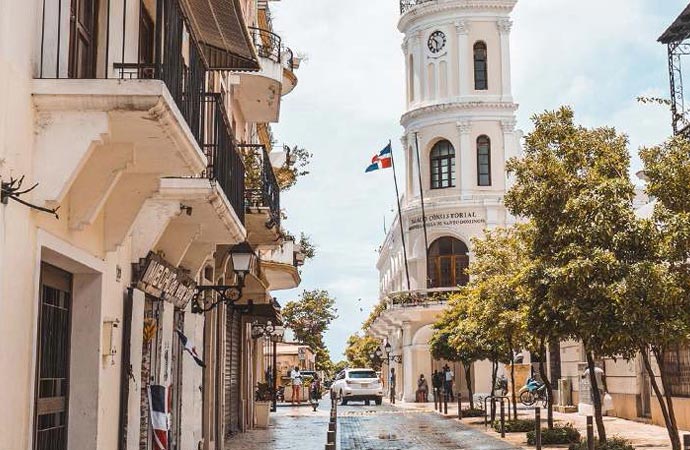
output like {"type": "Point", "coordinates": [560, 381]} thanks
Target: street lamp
{"type": "Point", "coordinates": [275, 334]}
{"type": "Point", "coordinates": [243, 261]}
{"type": "Point", "coordinates": [390, 357]}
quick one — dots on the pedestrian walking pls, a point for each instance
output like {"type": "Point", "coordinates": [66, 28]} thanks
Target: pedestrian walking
{"type": "Point", "coordinates": [296, 378]}
{"type": "Point", "coordinates": [391, 383]}
{"type": "Point", "coordinates": [448, 381]}
{"type": "Point", "coordinates": [422, 390]}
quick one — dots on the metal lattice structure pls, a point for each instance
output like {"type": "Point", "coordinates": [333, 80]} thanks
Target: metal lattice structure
{"type": "Point", "coordinates": [406, 5]}
{"type": "Point", "coordinates": [677, 39]}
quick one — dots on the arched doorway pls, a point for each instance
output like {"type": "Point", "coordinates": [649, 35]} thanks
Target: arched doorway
{"type": "Point", "coordinates": [447, 263]}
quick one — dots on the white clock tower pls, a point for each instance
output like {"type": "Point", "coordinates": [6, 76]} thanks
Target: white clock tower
{"type": "Point", "coordinates": [460, 120]}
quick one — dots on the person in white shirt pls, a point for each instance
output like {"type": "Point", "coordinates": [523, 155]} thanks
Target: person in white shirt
{"type": "Point", "coordinates": [296, 378]}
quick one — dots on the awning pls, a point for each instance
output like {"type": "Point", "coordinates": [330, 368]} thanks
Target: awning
{"type": "Point", "coordinates": [679, 30]}
{"type": "Point", "coordinates": [219, 29]}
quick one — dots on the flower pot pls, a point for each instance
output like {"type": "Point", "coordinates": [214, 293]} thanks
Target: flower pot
{"type": "Point", "coordinates": [261, 414]}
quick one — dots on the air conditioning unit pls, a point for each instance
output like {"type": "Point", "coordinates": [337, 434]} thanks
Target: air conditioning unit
{"type": "Point", "coordinates": [565, 391]}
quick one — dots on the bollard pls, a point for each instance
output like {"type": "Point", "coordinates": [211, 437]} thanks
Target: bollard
{"type": "Point", "coordinates": [459, 407]}
{"type": "Point", "coordinates": [331, 426]}
{"type": "Point", "coordinates": [537, 430]}
{"type": "Point", "coordinates": [445, 402]}
{"type": "Point", "coordinates": [330, 446]}
{"type": "Point", "coordinates": [440, 401]}
{"type": "Point", "coordinates": [330, 437]}
{"type": "Point", "coordinates": [590, 433]}
{"type": "Point", "coordinates": [503, 419]}
{"type": "Point", "coordinates": [686, 442]}
{"type": "Point", "coordinates": [435, 400]}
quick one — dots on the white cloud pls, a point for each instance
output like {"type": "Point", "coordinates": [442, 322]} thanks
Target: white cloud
{"type": "Point", "coordinates": [595, 55]}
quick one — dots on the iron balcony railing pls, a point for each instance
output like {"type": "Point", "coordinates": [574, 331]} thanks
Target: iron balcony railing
{"type": "Point", "coordinates": [406, 5]}
{"type": "Point", "coordinates": [225, 164]}
{"type": "Point", "coordinates": [423, 297]}
{"type": "Point", "coordinates": [269, 45]}
{"type": "Point", "coordinates": [262, 189]}
{"type": "Point", "coordinates": [123, 41]}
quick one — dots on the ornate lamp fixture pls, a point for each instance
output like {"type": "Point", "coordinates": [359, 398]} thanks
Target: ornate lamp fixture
{"type": "Point", "coordinates": [243, 262]}
{"type": "Point", "coordinates": [390, 357]}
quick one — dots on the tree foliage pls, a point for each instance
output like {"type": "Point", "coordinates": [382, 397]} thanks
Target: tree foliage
{"type": "Point", "coordinates": [309, 318]}
{"type": "Point", "coordinates": [359, 350]}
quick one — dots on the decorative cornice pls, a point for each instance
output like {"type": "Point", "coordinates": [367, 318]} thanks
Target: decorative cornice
{"type": "Point", "coordinates": [440, 6]}
{"type": "Point", "coordinates": [504, 26]}
{"type": "Point", "coordinates": [404, 141]}
{"type": "Point", "coordinates": [456, 106]}
{"type": "Point", "coordinates": [462, 27]}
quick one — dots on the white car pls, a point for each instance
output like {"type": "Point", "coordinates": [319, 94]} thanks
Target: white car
{"type": "Point", "coordinates": [357, 384]}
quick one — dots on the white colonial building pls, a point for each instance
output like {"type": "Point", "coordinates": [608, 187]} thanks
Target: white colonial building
{"type": "Point", "coordinates": [460, 123]}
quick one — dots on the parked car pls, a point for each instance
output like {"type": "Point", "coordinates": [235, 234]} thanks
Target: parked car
{"type": "Point", "coordinates": [357, 384]}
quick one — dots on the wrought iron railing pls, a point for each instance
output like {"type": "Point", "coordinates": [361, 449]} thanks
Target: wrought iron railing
{"type": "Point", "coordinates": [269, 45]}
{"type": "Point", "coordinates": [262, 189]}
{"type": "Point", "coordinates": [424, 297]}
{"type": "Point", "coordinates": [120, 45]}
{"type": "Point", "coordinates": [406, 5]}
{"type": "Point", "coordinates": [225, 164]}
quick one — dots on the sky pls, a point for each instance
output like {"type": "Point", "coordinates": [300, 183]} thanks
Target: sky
{"type": "Point", "coordinates": [596, 55]}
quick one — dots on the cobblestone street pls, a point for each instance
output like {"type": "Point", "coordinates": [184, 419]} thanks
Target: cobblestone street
{"type": "Point", "coordinates": [365, 428]}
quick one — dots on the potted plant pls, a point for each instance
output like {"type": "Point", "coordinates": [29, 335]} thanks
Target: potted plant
{"type": "Point", "coordinates": [262, 405]}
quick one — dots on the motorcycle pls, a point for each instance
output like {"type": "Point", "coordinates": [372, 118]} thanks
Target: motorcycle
{"type": "Point", "coordinates": [532, 392]}
{"type": "Point", "coordinates": [280, 394]}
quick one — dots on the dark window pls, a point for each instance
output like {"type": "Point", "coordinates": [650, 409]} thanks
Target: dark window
{"type": "Point", "coordinates": [483, 161]}
{"type": "Point", "coordinates": [442, 165]}
{"type": "Point", "coordinates": [82, 54]}
{"type": "Point", "coordinates": [447, 263]}
{"type": "Point", "coordinates": [362, 374]}
{"type": "Point", "coordinates": [147, 41]}
{"type": "Point", "coordinates": [677, 365]}
{"type": "Point", "coordinates": [481, 82]}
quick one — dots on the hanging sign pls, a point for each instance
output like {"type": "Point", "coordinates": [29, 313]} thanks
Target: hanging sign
{"type": "Point", "coordinates": [157, 277]}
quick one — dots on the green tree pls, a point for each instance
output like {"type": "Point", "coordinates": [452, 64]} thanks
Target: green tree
{"type": "Point", "coordinates": [309, 318]}
{"type": "Point", "coordinates": [573, 185]}
{"type": "Point", "coordinates": [359, 350]}
{"type": "Point", "coordinates": [658, 296]}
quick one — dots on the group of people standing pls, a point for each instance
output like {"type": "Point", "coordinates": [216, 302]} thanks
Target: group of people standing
{"type": "Point", "coordinates": [441, 381]}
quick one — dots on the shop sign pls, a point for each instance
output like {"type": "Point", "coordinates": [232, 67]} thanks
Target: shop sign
{"type": "Point", "coordinates": [159, 278]}
{"type": "Point", "coordinates": [448, 219]}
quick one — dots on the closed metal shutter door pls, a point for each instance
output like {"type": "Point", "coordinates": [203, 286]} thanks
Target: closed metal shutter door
{"type": "Point", "coordinates": [232, 371]}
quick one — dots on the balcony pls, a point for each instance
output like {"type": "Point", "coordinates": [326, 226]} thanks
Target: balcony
{"type": "Point", "coordinates": [262, 198]}
{"type": "Point", "coordinates": [406, 5]}
{"type": "Point", "coordinates": [260, 92]}
{"type": "Point", "coordinates": [126, 105]}
{"type": "Point", "coordinates": [280, 266]}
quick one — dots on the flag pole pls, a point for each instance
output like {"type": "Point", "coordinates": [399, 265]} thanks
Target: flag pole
{"type": "Point", "coordinates": [421, 197]}
{"type": "Point", "coordinates": [402, 230]}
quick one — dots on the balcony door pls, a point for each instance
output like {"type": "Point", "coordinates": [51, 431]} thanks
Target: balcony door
{"type": "Point", "coordinates": [82, 48]}
{"type": "Point", "coordinates": [53, 354]}
{"type": "Point", "coordinates": [447, 263]}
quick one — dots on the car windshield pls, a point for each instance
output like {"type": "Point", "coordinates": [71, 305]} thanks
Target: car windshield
{"type": "Point", "coordinates": [362, 374]}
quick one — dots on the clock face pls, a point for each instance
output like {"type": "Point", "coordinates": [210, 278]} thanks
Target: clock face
{"type": "Point", "coordinates": [437, 42]}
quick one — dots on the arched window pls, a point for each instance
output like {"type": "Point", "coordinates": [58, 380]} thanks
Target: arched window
{"type": "Point", "coordinates": [483, 161]}
{"type": "Point", "coordinates": [447, 263]}
{"type": "Point", "coordinates": [442, 161]}
{"type": "Point", "coordinates": [481, 76]}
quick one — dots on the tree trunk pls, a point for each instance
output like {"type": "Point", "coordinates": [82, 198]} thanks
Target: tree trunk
{"type": "Point", "coordinates": [549, 390]}
{"type": "Point", "coordinates": [468, 380]}
{"type": "Point", "coordinates": [512, 387]}
{"type": "Point", "coordinates": [494, 373]}
{"type": "Point", "coordinates": [659, 355]}
{"type": "Point", "coordinates": [596, 397]}
{"type": "Point", "coordinates": [670, 426]}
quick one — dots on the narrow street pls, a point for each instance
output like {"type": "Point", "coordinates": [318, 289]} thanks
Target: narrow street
{"type": "Point", "coordinates": [363, 427]}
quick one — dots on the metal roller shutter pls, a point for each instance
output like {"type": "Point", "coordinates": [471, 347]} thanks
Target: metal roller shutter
{"type": "Point", "coordinates": [232, 371]}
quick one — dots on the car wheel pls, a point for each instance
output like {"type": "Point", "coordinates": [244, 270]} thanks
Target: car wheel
{"type": "Point", "coordinates": [379, 400]}
{"type": "Point", "coordinates": [367, 402]}
{"type": "Point", "coordinates": [343, 400]}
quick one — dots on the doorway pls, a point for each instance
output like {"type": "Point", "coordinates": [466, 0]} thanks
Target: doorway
{"type": "Point", "coordinates": [53, 356]}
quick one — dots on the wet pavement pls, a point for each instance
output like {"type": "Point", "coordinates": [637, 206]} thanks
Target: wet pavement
{"type": "Point", "coordinates": [363, 427]}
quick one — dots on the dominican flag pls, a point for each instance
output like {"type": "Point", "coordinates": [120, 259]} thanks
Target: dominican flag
{"type": "Point", "coordinates": [159, 416]}
{"type": "Point", "coordinates": [383, 160]}
{"type": "Point", "coordinates": [190, 348]}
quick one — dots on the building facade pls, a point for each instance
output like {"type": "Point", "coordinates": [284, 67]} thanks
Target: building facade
{"type": "Point", "coordinates": [136, 122]}
{"type": "Point", "coordinates": [459, 133]}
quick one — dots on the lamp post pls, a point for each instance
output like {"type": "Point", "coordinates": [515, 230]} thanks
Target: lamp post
{"type": "Point", "coordinates": [275, 334]}
{"type": "Point", "coordinates": [389, 357]}
{"type": "Point", "coordinates": [243, 262]}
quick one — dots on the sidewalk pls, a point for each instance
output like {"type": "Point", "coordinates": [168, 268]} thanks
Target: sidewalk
{"type": "Point", "coordinates": [641, 435]}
